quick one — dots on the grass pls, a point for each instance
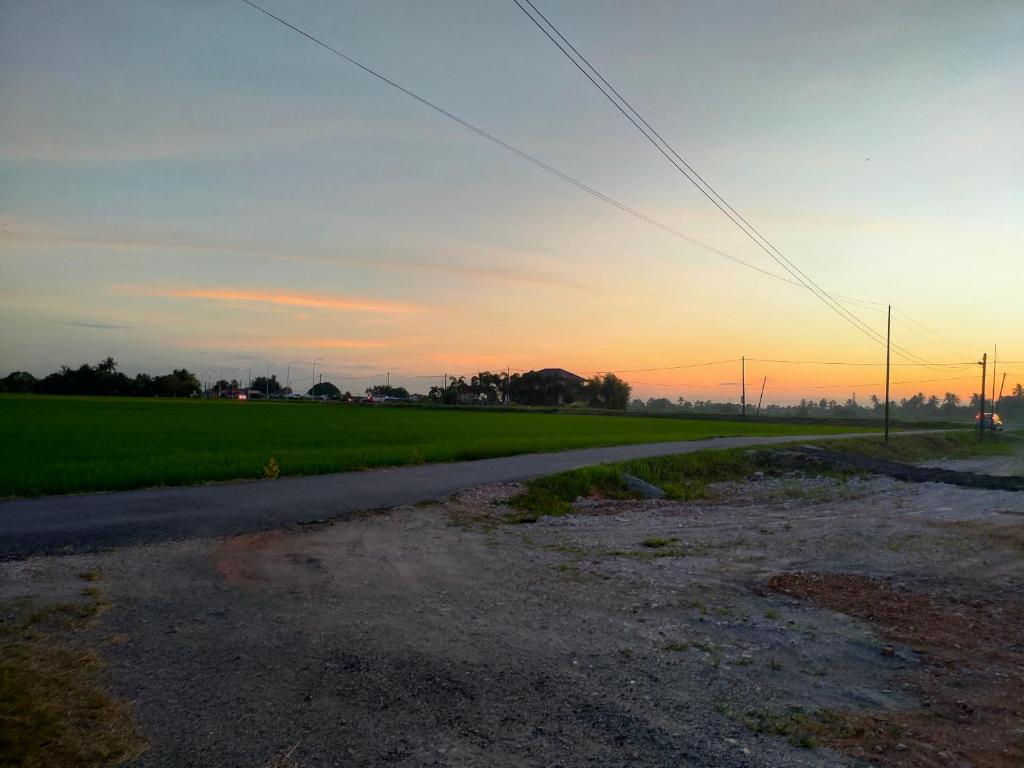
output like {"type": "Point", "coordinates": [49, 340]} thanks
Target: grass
{"type": "Point", "coordinates": [53, 709]}
{"type": "Point", "coordinates": [799, 729]}
{"type": "Point", "coordinates": [74, 444]}
{"type": "Point", "coordinates": [963, 444]}
{"type": "Point", "coordinates": [682, 477]}
{"type": "Point", "coordinates": [686, 477]}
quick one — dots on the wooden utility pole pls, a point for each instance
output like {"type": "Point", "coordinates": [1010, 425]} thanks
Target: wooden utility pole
{"type": "Point", "coordinates": [743, 384]}
{"type": "Point", "coordinates": [981, 397]}
{"type": "Point", "coordinates": [763, 382]}
{"type": "Point", "coordinates": [888, 342]}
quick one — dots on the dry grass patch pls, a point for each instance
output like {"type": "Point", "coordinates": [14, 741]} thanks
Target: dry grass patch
{"type": "Point", "coordinates": [54, 711]}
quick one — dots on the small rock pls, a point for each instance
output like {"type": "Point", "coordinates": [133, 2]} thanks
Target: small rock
{"type": "Point", "coordinates": [642, 487]}
{"type": "Point", "coordinates": [888, 651]}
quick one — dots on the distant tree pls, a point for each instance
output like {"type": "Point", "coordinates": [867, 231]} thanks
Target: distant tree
{"type": "Point", "coordinates": [264, 385]}
{"type": "Point", "coordinates": [950, 403]}
{"type": "Point", "coordinates": [18, 381]}
{"type": "Point", "coordinates": [324, 389]}
{"type": "Point", "coordinates": [383, 390]}
{"type": "Point", "coordinates": [611, 392]}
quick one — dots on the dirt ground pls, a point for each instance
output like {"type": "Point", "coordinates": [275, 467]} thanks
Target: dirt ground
{"type": "Point", "coordinates": [782, 622]}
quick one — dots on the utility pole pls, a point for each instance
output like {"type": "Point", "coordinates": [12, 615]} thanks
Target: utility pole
{"type": "Point", "coordinates": [743, 391]}
{"type": "Point", "coordinates": [388, 380]}
{"type": "Point", "coordinates": [888, 343]}
{"type": "Point", "coordinates": [995, 353]}
{"type": "Point", "coordinates": [981, 397]}
{"type": "Point", "coordinates": [763, 382]}
{"type": "Point", "coordinates": [997, 403]}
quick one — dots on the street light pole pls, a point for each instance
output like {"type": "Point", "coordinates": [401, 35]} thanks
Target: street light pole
{"type": "Point", "coordinates": [289, 376]}
{"type": "Point", "coordinates": [312, 390]}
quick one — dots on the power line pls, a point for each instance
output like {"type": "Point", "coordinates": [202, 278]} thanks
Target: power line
{"type": "Point", "coordinates": [520, 153]}
{"type": "Point", "coordinates": [551, 169]}
{"type": "Point", "coordinates": [844, 362]}
{"type": "Point", "coordinates": [672, 367]}
{"type": "Point", "coordinates": [703, 186]}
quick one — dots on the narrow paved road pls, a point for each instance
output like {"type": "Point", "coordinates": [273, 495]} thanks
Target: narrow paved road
{"type": "Point", "coordinates": [91, 522]}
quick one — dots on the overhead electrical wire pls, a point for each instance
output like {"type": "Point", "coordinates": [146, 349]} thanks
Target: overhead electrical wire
{"type": "Point", "coordinates": [520, 153]}
{"type": "Point", "coordinates": [579, 184]}
{"type": "Point", "coordinates": [651, 134]}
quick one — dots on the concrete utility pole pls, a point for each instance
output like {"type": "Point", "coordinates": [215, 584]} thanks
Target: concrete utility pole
{"type": "Point", "coordinates": [743, 385]}
{"type": "Point", "coordinates": [761, 398]}
{"type": "Point", "coordinates": [992, 400]}
{"type": "Point", "coordinates": [981, 397]}
{"type": "Point", "coordinates": [997, 403]}
{"type": "Point", "coordinates": [888, 342]}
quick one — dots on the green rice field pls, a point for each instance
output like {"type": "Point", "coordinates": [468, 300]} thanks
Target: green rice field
{"type": "Point", "coordinates": [73, 444]}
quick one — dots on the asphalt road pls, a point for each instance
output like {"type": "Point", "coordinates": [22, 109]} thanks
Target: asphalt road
{"type": "Point", "coordinates": [98, 521]}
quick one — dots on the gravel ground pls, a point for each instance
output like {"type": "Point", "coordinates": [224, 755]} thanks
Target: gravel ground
{"type": "Point", "coordinates": [628, 633]}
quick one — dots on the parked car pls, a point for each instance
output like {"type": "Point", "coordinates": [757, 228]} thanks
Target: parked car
{"type": "Point", "coordinates": [988, 421]}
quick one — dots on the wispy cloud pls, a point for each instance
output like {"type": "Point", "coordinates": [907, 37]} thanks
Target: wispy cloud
{"type": "Point", "coordinates": [100, 326]}
{"type": "Point", "coordinates": [331, 303]}
{"type": "Point", "coordinates": [269, 344]}
{"type": "Point", "coordinates": [51, 238]}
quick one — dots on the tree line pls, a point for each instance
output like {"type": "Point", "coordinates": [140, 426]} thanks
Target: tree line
{"type": "Point", "coordinates": [606, 391]}
{"type": "Point", "coordinates": [103, 379]}
{"type": "Point", "coordinates": [918, 406]}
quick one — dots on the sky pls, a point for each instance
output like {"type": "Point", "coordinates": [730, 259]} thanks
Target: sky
{"type": "Point", "coordinates": [193, 184]}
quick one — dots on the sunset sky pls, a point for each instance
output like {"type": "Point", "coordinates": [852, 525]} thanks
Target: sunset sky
{"type": "Point", "coordinates": [190, 183]}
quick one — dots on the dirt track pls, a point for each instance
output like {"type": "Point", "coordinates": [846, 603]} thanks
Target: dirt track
{"type": "Point", "coordinates": [632, 633]}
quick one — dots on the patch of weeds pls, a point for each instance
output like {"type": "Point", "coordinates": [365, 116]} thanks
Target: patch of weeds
{"type": "Point", "coordinates": [911, 448]}
{"type": "Point", "coordinates": [798, 728]}
{"type": "Point", "coordinates": [677, 646]}
{"type": "Point", "coordinates": [698, 605]}
{"type": "Point", "coordinates": [774, 665]}
{"type": "Point", "coordinates": [772, 614]}
{"type": "Point", "coordinates": [426, 503]}
{"type": "Point", "coordinates": [272, 470]}
{"type": "Point", "coordinates": [90, 575]}
{"type": "Point", "coordinates": [684, 477]}
{"type": "Point", "coordinates": [53, 711]}
{"type": "Point", "coordinates": [655, 542]}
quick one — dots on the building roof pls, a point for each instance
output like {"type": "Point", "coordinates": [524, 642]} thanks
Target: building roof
{"type": "Point", "coordinates": [561, 374]}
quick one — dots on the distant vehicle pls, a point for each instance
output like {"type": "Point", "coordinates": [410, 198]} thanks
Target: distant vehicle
{"type": "Point", "coordinates": [989, 421]}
